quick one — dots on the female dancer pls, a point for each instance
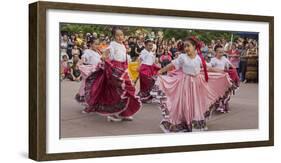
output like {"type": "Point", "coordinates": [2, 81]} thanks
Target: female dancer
{"type": "Point", "coordinates": [147, 71]}
{"type": "Point", "coordinates": [222, 63]}
{"type": "Point", "coordinates": [190, 93]}
{"type": "Point", "coordinates": [109, 90]}
{"type": "Point", "coordinates": [90, 59]}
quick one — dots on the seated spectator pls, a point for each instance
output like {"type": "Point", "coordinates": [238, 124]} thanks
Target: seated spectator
{"type": "Point", "coordinates": [75, 74]}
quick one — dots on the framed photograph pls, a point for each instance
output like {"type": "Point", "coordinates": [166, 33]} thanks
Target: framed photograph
{"type": "Point", "coordinates": [113, 81]}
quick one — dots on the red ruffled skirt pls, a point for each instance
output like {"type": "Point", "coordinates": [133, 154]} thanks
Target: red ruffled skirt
{"type": "Point", "coordinates": [147, 79]}
{"type": "Point", "coordinates": [109, 91]}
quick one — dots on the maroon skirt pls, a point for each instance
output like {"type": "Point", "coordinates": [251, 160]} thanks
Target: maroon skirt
{"type": "Point", "coordinates": [234, 76]}
{"type": "Point", "coordinates": [147, 79]}
{"type": "Point", "coordinates": [109, 91]}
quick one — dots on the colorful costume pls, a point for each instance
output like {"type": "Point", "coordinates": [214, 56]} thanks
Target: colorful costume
{"type": "Point", "coordinates": [109, 90]}
{"type": "Point", "coordinates": [147, 73]}
{"type": "Point", "coordinates": [91, 60]}
{"type": "Point", "coordinates": [224, 64]}
{"type": "Point", "coordinates": [190, 94]}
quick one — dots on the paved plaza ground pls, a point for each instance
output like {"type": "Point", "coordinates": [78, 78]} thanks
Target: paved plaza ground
{"type": "Point", "coordinates": [243, 115]}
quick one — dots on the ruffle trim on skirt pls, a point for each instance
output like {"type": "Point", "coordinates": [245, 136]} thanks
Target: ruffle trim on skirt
{"type": "Point", "coordinates": [119, 85]}
{"type": "Point", "coordinates": [147, 76]}
{"type": "Point", "coordinates": [220, 105]}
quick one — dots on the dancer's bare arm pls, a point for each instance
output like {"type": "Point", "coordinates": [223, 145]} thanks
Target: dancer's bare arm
{"type": "Point", "coordinates": [166, 68]}
{"type": "Point", "coordinates": [105, 54]}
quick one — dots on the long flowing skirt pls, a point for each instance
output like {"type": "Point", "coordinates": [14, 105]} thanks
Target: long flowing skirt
{"type": "Point", "coordinates": [147, 79]}
{"type": "Point", "coordinates": [189, 99]}
{"type": "Point", "coordinates": [109, 91]}
{"type": "Point", "coordinates": [85, 70]}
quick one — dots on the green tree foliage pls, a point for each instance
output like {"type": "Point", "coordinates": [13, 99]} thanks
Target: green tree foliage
{"type": "Point", "coordinates": [168, 33]}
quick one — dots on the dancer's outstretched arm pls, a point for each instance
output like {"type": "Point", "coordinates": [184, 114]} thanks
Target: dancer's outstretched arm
{"type": "Point", "coordinates": [166, 68]}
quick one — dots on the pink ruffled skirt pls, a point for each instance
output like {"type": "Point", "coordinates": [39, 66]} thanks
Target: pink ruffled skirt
{"type": "Point", "coordinates": [188, 99]}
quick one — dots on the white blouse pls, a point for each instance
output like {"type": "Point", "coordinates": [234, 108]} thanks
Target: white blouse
{"type": "Point", "coordinates": [118, 52]}
{"type": "Point", "coordinates": [220, 63]}
{"type": "Point", "coordinates": [147, 58]}
{"type": "Point", "coordinates": [188, 65]}
{"type": "Point", "coordinates": [91, 57]}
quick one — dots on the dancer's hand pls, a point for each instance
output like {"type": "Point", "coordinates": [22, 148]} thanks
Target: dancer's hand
{"type": "Point", "coordinates": [105, 54]}
{"type": "Point", "coordinates": [103, 58]}
{"type": "Point", "coordinates": [160, 72]}
{"type": "Point", "coordinates": [165, 69]}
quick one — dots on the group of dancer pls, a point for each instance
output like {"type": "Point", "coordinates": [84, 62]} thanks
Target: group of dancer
{"type": "Point", "coordinates": [188, 89]}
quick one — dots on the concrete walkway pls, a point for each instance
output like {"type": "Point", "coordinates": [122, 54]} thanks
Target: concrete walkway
{"type": "Point", "coordinates": [243, 115]}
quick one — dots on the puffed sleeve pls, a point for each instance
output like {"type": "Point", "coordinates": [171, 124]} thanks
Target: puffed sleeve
{"type": "Point", "coordinates": [227, 61]}
{"type": "Point", "coordinates": [213, 62]}
{"type": "Point", "coordinates": [178, 62]}
{"type": "Point", "coordinates": [142, 55]}
{"type": "Point", "coordinates": [111, 51]}
{"type": "Point", "coordinates": [85, 56]}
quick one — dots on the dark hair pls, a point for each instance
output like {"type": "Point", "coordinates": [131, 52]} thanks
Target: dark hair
{"type": "Point", "coordinates": [251, 42]}
{"type": "Point", "coordinates": [217, 46]}
{"type": "Point", "coordinates": [148, 41]}
{"type": "Point", "coordinates": [193, 41]}
{"type": "Point", "coordinates": [92, 40]}
{"type": "Point", "coordinates": [180, 46]}
{"type": "Point", "coordinates": [114, 29]}
{"type": "Point", "coordinates": [245, 42]}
